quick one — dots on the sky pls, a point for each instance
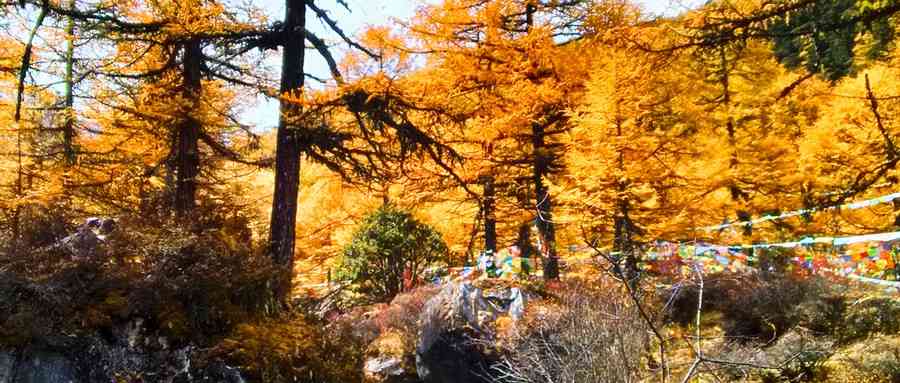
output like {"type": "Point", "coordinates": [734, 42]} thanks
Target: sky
{"type": "Point", "coordinates": [363, 13]}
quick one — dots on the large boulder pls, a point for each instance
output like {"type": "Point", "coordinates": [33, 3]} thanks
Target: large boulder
{"type": "Point", "coordinates": [456, 328]}
{"type": "Point", "coordinates": [36, 366]}
{"type": "Point", "coordinates": [384, 368]}
{"type": "Point", "coordinates": [7, 362]}
{"type": "Point", "coordinates": [87, 238]}
{"type": "Point", "coordinates": [387, 361]}
{"type": "Point", "coordinates": [128, 352]}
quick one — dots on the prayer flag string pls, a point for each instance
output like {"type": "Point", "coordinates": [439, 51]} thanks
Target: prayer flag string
{"type": "Point", "coordinates": [795, 213]}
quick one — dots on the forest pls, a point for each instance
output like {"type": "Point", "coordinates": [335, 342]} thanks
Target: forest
{"type": "Point", "coordinates": [484, 191]}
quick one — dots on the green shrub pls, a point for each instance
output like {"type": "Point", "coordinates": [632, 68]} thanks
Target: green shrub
{"type": "Point", "coordinates": [389, 252]}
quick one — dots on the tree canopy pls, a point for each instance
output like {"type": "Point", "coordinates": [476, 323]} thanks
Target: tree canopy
{"type": "Point", "coordinates": [587, 120]}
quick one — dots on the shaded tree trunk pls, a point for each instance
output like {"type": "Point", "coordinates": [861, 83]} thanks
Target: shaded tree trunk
{"type": "Point", "coordinates": [187, 162]}
{"type": "Point", "coordinates": [623, 242]}
{"type": "Point", "coordinates": [737, 194]}
{"type": "Point", "coordinates": [523, 241]}
{"type": "Point", "coordinates": [623, 228]}
{"type": "Point", "coordinates": [490, 218]}
{"type": "Point", "coordinates": [20, 93]}
{"type": "Point", "coordinates": [287, 152]}
{"type": "Point", "coordinates": [69, 123]}
{"type": "Point", "coordinates": [541, 167]}
{"type": "Point", "coordinates": [543, 204]}
{"type": "Point", "coordinates": [476, 226]}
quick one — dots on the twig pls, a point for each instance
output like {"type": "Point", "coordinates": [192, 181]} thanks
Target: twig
{"type": "Point", "coordinates": [873, 104]}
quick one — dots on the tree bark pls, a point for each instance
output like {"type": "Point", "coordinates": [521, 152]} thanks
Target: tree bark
{"type": "Point", "coordinates": [490, 218]}
{"type": "Point", "coordinates": [20, 93]}
{"type": "Point", "coordinates": [523, 241]}
{"type": "Point", "coordinates": [69, 123]}
{"type": "Point", "coordinates": [187, 163]}
{"type": "Point", "coordinates": [543, 204]}
{"type": "Point", "coordinates": [623, 242]}
{"type": "Point", "coordinates": [541, 166]}
{"type": "Point", "coordinates": [624, 230]}
{"type": "Point", "coordinates": [287, 152]}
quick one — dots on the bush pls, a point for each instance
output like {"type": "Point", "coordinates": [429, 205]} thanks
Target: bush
{"type": "Point", "coordinates": [292, 349]}
{"type": "Point", "coordinates": [389, 252]}
{"type": "Point", "coordinates": [826, 315]}
{"type": "Point", "coordinates": [875, 360]}
{"type": "Point", "coordinates": [839, 316]}
{"type": "Point", "coordinates": [39, 225]}
{"type": "Point", "coordinates": [754, 307]}
{"type": "Point", "coordinates": [871, 316]}
{"type": "Point", "coordinates": [588, 335]}
{"type": "Point", "coordinates": [297, 348]}
{"type": "Point", "coordinates": [188, 286]}
{"type": "Point", "coordinates": [366, 324]}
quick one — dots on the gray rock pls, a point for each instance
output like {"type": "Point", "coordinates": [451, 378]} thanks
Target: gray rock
{"type": "Point", "coordinates": [107, 226]}
{"type": "Point", "coordinates": [43, 367]}
{"type": "Point", "coordinates": [129, 352]}
{"type": "Point", "coordinates": [454, 326]}
{"type": "Point", "coordinates": [83, 243]}
{"type": "Point", "coordinates": [7, 362]}
{"type": "Point", "coordinates": [516, 304]}
{"type": "Point", "coordinates": [87, 237]}
{"type": "Point", "coordinates": [216, 372]}
{"type": "Point", "coordinates": [381, 368]}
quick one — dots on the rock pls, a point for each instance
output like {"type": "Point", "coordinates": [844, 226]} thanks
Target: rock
{"type": "Point", "coordinates": [517, 304]}
{"type": "Point", "coordinates": [7, 360]}
{"type": "Point", "coordinates": [128, 352]}
{"type": "Point", "coordinates": [36, 366]}
{"type": "Point", "coordinates": [455, 326]}
{"type": "Point", "coordinates": [387, 360]}
{"type": "Point", "coordinates": [215, 372]}
{"type": "Point", "coordinates": [107, 226]}
{"type": "Point", "coordinates": [381, 369]}
{"type": "Point", "coordinates": [45, 367]}
{"type": "Point", "coordinates": [81, 244]}
{"type": "Point", "coordinates": [85, 240]}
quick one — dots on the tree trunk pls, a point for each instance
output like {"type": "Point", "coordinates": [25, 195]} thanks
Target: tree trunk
{"type": "Point", "coordinates": [69, 123]}
{"type": "Point", "coordinates": [20, 93]}
{"type": "Point", "coordinates": [623, 242]}
{"type": "Point", "coordinates": [187, 163]}
{"type": "Point", "coordinates": [475, 227]}
{"type": "Point", "coordinates": [287, 152]}
{"type": "Point", "coordinates": [524, 240]}
{"type": "Point", "coordinates": [543, 204]}
{"type": "Point", "coordinates": [490, 219]}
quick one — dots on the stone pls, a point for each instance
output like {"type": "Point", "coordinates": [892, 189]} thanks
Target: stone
{"type": "Point", "coordinates": [456, 324]}
{"type": "Point", "coordinates": [44, 367]}
{"type": "Point", "coordinates": [81, 244]}
{"type": "Point", "coordinates": [214, 372]}
{"type": "Point", "coordinates": [7, 362]}
{"type": "Point", "coordinates": [517, 304]}
{"type": "Point", "coordinates": [387, 360]}
{"type": "Point", "coordinates": [87, 237]}
{"type": "Point", "coordinates": [123, 354]}
{"type": "Point", "coordinates": [381, 368]}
